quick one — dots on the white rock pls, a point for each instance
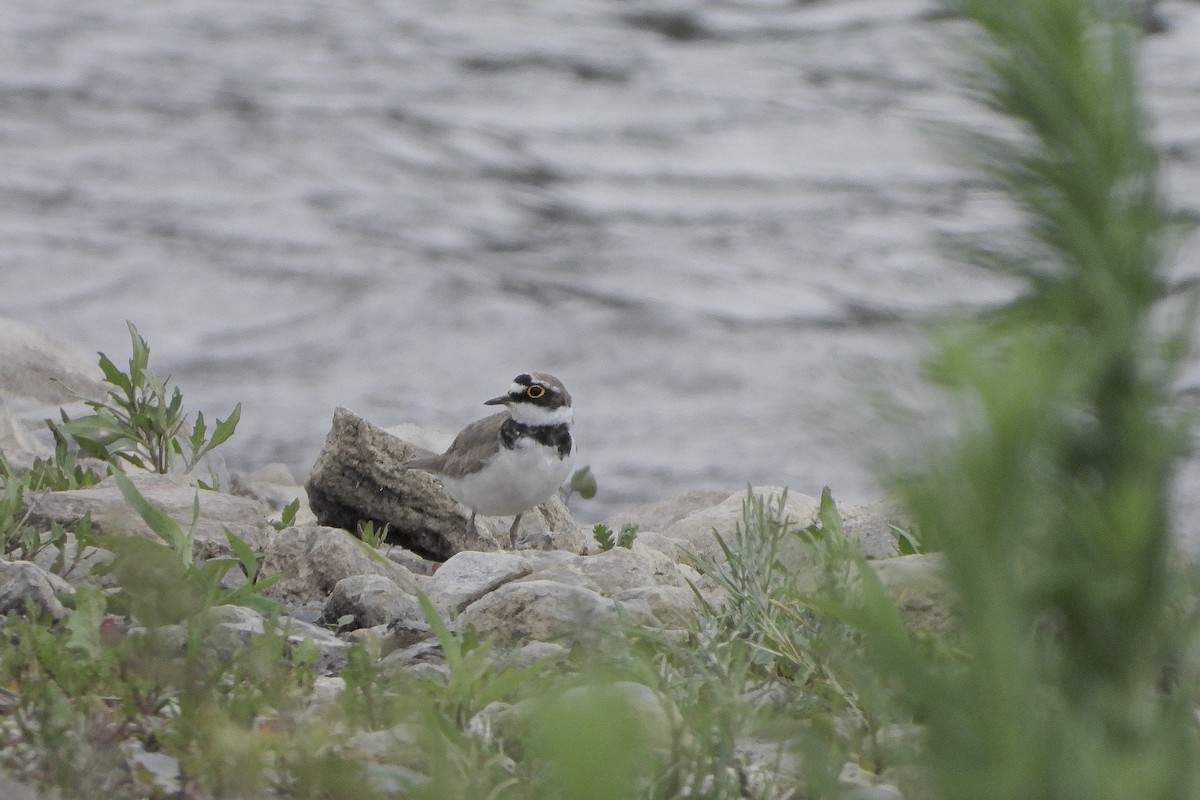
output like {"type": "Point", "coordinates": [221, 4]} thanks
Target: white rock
{"type": "Point", "coordinates": [866, 526]}
{"type": "Point", "coordinates": [469, 575]}
{"type": "Point", "coordinates": [22, 581]}
{"type": "Point", "coordinates": [313, 559]}
{"type": "Point", "coordinates": [539, 611]}
{"type": "Point", "coordinates": [697, 529]}
{"type": "Point", "coordinates": [918, 585]}
{"type": "Point", "coordinates": [661, 514]}
{"type": "Point", "coordinates": [623, 568]}
{"type": "Point", "coordinates": [660, 606]}
{"type": "Point", "coordinates": [371, 600]}
{"type": "Point", "coordinates": [38, 367]}
{"type": "Point", "coordinates": [175, 495]}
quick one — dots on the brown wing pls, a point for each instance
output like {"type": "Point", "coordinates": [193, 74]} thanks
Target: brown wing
{"type": "Point", "coordinates": [471, 449]}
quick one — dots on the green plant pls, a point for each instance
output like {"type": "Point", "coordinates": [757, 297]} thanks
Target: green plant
{"type": "Point", "coordinates": [582, 483]}
{"type": "Point", "coordinates": [161, 582]}
{"type": "Point", "coordinates": [1052, 506]}
{"type": "Point", "coordinates": [59, 473]}
{"type": "Point", "coordinates": [476, 676]}
{"type": "Point", "coordinates": [371, 536]}
{"type": "Point", "coordinates": [765, 595]}
{"type": "Point", "coordinates": [17, 538]}
{"type": "Point", "coordinates": [607, 540]}
{"type": "Point", "coordinates": [140, 423]}
{"type": "Point", "coordinates": [908, 540]}
{"type": "Point", "coordinates": [287, 517]}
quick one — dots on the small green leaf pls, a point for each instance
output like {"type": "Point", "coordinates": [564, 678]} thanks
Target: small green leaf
{"type": "Point", "coordinates": [141, 352]}
{"type": "Point", "coordinates": [907, 542]}
{"type": "Point", "coordinates": [114, 375]}
{"type": "Point", "coordinates": [450, 645]}
{"type": "Point", "coordinates": [603, 536]}
{"type": "Point", "coordinates": [226, 427]}
{"type": "Point", "coordinates": [245, 556]}
{"type": "Point", "coordinates": [199, 431]}
{"type": "Point", "coordinates": [84, 623]}
{"type": "Point", "coordinates": [831, 520]}
{"type": "Point", "coordinates": [371, 552]}
{"type": "Point", "coordinates": [287, 517]}
{"type": "Point", "coordinates": [158, 520]}
{"type": "Point", "coordinates": [583, 483]}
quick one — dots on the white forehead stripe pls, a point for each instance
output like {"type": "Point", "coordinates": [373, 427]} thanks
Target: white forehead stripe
{"type": "Point", "coordinates": [528, 414]}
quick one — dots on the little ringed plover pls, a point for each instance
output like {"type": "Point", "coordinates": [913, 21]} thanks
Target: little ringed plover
{"type": "Point", "coordinates": [514, 460]}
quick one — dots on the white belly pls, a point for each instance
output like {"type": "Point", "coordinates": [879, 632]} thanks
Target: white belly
{"type": "Point", "coordinates": [514, 481]}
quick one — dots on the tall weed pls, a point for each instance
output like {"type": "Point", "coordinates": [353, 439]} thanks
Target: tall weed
{"type": "Point", "coordinates": [1052, 506]}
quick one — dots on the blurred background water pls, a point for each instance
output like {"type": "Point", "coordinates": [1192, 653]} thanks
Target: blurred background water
{"type": "Point", "coordinates": [713, 220]}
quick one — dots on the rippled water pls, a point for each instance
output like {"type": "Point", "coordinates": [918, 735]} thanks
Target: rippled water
{"type": "Point", "coordinates": [712, 220]}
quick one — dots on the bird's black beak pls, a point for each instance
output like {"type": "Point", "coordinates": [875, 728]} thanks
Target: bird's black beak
{"type": "Point", "coordinates": [497, 401]}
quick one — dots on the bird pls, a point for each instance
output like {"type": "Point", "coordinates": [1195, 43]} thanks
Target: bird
{"type": "Point", "coordinates": [509, 462]}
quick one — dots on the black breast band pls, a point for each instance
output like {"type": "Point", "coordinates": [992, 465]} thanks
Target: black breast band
{"type": "Point", "coordinates": [557, 436]}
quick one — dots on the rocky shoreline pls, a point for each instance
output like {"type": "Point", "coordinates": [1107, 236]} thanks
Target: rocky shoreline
{"type": "Point", "coordinates": [336, 590]}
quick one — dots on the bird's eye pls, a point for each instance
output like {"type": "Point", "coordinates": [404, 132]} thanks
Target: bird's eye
{"type": "Point", "coordinates": [534, 392]}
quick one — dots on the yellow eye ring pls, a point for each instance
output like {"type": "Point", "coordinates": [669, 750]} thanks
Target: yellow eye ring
{"type": "Point", "coordinates": [535, 392]}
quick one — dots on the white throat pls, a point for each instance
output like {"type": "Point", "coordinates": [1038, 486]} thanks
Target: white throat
{"type": "Point", "coordinates": [528, 414]}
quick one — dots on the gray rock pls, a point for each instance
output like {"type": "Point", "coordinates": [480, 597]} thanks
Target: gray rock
{"type": "Point", "coordinates": [864, 785]}
{"type": "Point", "coordinates": [771, 769]}
{"type": "Point", "coordinates": [560, 567]}
{"type": "Point", "coordinates": [651, 587]}
{"type": "Point", "coordinates": [11, 790]}
{"type": "Point", "coordinates": [274, 487]}
{"type": "Point", "coordinates": [307, 614]}
{"type": "Point", "coordinates": [374, 639]}
{"type": "Point", "coordinates": [157, 772]}
{"type": "Point", "coordinates": [424, 657]}
{"type": "Point", "coordinates": [36, 366]}
{"type": "Point", "coordinates": [38, 375]}
{"type": "Point", "coordinates": [371, 600]}
{"type": "Point", "coordinates": [697, 528]}
{"type": "Point", "coordinates": [866, 526]}
{"type": "Point", "coordinates": [918, 585]}
{"type": "Point", "coordinates": [234, 627]}
{"type": "Point", "coordinates": [164, 641]}
{"type": "Point", "coordinates": [359, 477]}
{"type": "Point", "coordinates": [651, 715]}
{"type": "Point", "coordinates": [870, 528]}
{"type": "Point", "coordinates": [623, 568]}
{"type": "Point", "coordinates": [659, 606]}
{"type": "Point", "coordinates": [406, 631]}
{"type": "Point", "coordinates": [77, 563]}
{"type": "Point", "coordinates": [670, 546]}
{"type": "Point", "coordinates": [315, 558]}
{"type": "Point", "coordinates": [325, 693]}
{"type": "Point", "coordinates": [367, 746]}
{"type": "Point", "coordinates": [331, 651]}
{"type": "Point", "coordinates": [19, 446]}
{"type": "Point", "coordinates": [24, 581]}
{"type": "Point", "coordinates": [172, 494]}
{"type": "Point", "coordinates": [539, 652]}
{"type": "Point", "coordinates": [409, 560]}
{"type": "Point", "coordinates": [469, 575]}
{"type": "Point", "coordinates": [880, 791]}
{"type": "Point", "coordinates": [539, 610]}
{"type": "Point", "coordinates": [661, 514]}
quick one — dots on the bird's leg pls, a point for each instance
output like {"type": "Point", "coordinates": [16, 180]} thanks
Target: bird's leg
{"type": "Point", "coordinates": [512, 532]}
{"type": "Point", "coordinates": [472, 533]}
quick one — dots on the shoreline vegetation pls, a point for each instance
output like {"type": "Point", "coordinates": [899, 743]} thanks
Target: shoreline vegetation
{"type": "Point", "coordinates": [1025, 629]}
